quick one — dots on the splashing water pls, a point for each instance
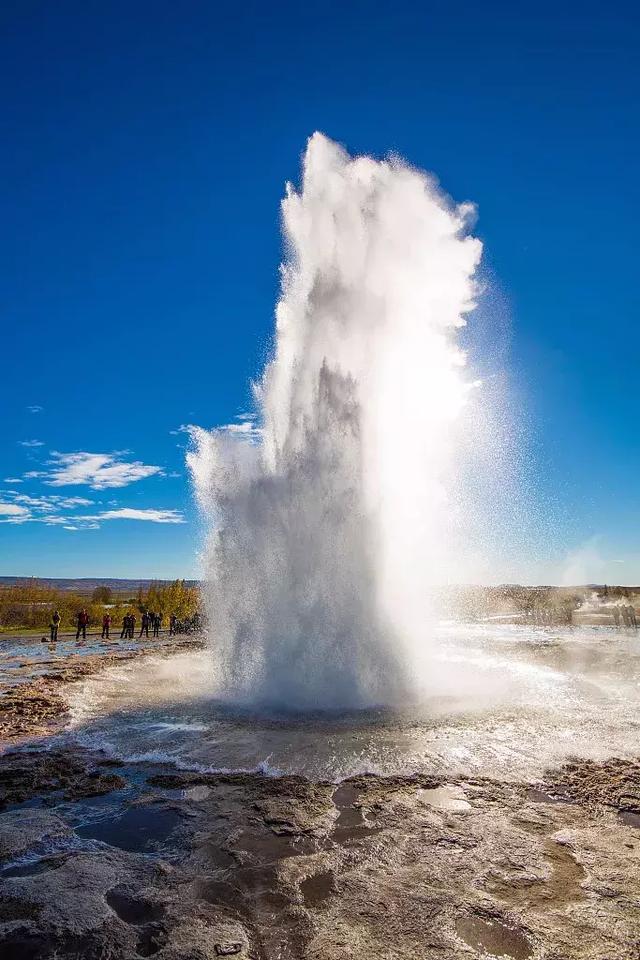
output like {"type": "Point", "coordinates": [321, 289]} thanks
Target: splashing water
{"type": "Point", "coordinates": [331, 517]}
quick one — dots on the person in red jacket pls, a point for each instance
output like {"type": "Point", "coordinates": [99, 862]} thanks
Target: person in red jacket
{"type": "Point", "coordinates": [106, 623]}
{"type": "Point", "coordinates": [83, 620]}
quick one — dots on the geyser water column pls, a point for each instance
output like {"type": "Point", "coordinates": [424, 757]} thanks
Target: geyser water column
{"type": "Point", "coordinates": [332, 513]}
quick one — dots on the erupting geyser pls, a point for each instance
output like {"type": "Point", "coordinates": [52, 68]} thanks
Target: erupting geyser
{"type": "Point", "coordinates": [335, 509]}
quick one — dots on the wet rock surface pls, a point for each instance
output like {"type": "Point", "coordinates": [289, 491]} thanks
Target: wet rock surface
{"type": "Point", "coordinates": [108, 861]}
{"type": "Point", "coordinates": [38, 705]}
{"type": "Point", "coordinates": [616, 783]}
{"type": "Point", "coordinates": [23, 775]}
{"type": "Point", "coordinates": [204, 866]}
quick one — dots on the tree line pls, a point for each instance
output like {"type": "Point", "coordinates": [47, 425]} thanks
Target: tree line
{"type": "Point", "coordinates": [29, 605]}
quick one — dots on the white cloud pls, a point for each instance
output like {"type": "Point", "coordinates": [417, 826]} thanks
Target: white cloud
{"type": "Point", "coordinates": [25, 509]}
{"type": "Point", "coordinates": [13, 480]}
{"type": "Point", "coordinates": [35, 408]}
{"type": "Point", "coordinates": [31, 443]}
{"type": "Point", "coordinates": [13, 510]}
{"type": "Point", "coordinates": [128, 513]}
{"type": "Point", "coordinates": [100, 471]}
{"type": "Point", "coordinates": [245, 427]}
{"type": "Point", "coordinates": [245, 430]}
{"type": "Point", "coordinates": [48, 503]}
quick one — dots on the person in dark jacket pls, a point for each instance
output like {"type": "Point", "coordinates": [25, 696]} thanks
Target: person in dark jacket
{"type": "Point", "coordinates": [157, 623]}
{"type": "Point", "coordinates": [106, 624]}
{"type": "Point", "coordinates": [83, 620]}
{"type": "Point", "coordinates": [132, 625]}
{"type": "Point", "coordinates": [55, 623]}
{"type": "Point", "coordinates": [144, 625]}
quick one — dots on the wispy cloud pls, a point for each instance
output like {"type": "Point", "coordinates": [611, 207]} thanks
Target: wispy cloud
{"type": "Point", "coordinates": [54, 510]}
{"type": "Point", "coordinates": [22, 508]}
{"type": "Point", "coordinates": [31, 443]}
{"type": "Point", "coordinates": [247, 428]}
{"type": "Point", "coordinates": [99, 471]}
{"type": "Point", "coordinates": [35, 408]}
{"type": "Point", "coordinates": [244, 428]}
{"type": "Point", "coordinates": [48, 503]}
{"type": "Point", "coordinates": [81, 526]}
{"type": "Point", "coordinates": [150, 515]}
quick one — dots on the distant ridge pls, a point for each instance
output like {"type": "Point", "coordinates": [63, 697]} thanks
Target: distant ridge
{"type": "Point", "coordinates": [86, 584]}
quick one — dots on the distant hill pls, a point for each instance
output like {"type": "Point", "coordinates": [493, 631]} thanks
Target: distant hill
{"type": "Point", "coordinates": [87, 584]}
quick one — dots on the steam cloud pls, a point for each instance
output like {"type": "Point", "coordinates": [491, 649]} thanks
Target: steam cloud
{"type": "Point", "coordinates": [330, 518]}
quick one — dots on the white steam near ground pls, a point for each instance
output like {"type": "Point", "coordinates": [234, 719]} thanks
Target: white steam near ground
{"type": "Point", "coordinates": [377, 465]}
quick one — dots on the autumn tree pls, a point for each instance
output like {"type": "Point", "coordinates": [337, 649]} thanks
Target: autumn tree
{"type": "Point", "coordinates": [102, 595]}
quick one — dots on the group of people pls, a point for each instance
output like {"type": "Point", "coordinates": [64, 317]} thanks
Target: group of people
{"type": "Point", "coordinates": [188, 625]}
{"type": "Point", "coordinates": [624, 613]}
{"type": "Point", "coordinates": [149, 621]}
{"type": "Point", "coordinates": [82, 622]}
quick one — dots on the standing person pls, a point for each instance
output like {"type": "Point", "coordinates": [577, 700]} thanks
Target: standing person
{"type": "Point", "coordinates": [144, 625]}
{"type": "Point", "coordinates": [55, 623]}
{"type": "Point", "coordinates": [125, 627]}
{"type": "Point", "coordinates": [83, 620]}
{"type": "Point", "coordinates": [172, 624]}
{"type": "Point", "coordinates": [106, 623]}
{"type": "Point", "coordinates": [157, 622]}
{"type": "Point", "coordinates": [132, 625]}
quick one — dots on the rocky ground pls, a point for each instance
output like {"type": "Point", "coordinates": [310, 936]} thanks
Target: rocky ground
{"type": "Point", "coordinates": [99, 860]}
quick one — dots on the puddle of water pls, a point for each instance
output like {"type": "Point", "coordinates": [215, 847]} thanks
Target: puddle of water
{"type": "Point", "coordinates": [253, 885]}
{"type": "Point", "coordinates": [345, 796]}
{"type": "Point", "coordinates": [493, 938]}
{"type": "Point", "coordinates": [317, 888]}
{"type": "Point", "coordinates": [350, 824]}
{"type": "Point", "coordinates": [630, 819]}
{"type": "Point", "coordinates": [134, 910]}
{"type": "Point", "coordinates": [537, 795]}
{"type": "Point", "coordinates": [267, 847]}
{"type": "Point", "coordinates": [139, 829]}
{"type": "Point", "coordinates": [448, 798]}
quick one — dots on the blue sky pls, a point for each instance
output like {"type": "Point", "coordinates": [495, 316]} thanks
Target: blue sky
{"type": "Point", "coordinates": [145, 149]}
